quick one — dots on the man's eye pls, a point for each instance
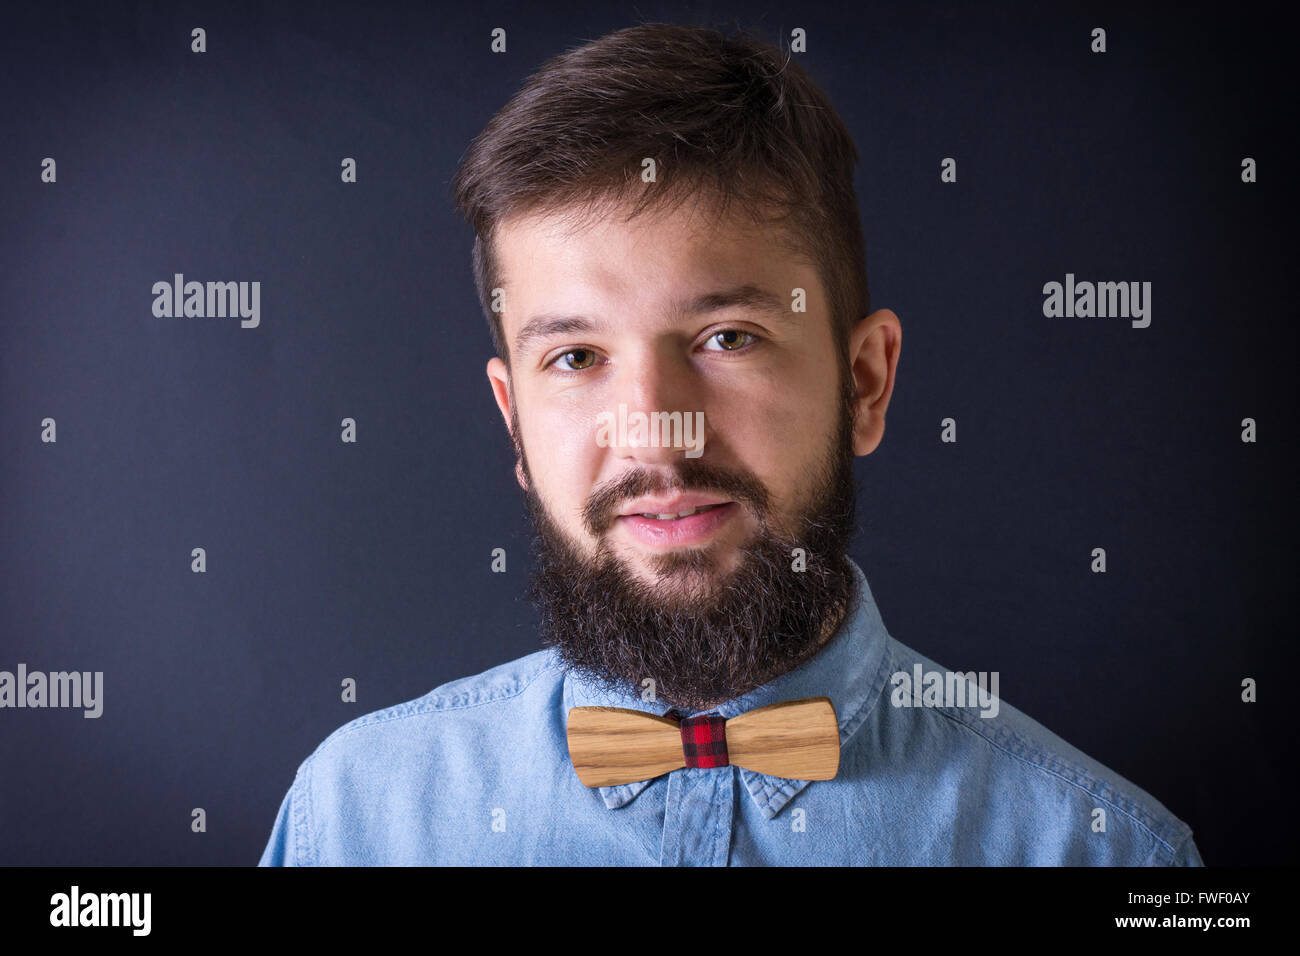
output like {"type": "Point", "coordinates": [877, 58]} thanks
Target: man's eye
{"type": "Point", "coordinates": [731, 340]}
{"type": "Point", "coordinates": [576, 360]}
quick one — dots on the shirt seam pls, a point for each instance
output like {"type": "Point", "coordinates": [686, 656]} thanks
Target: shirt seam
{"type": "Point", "coordinates": [1109, 801]}
{"type": "Point", "coordinates": [304, 844]}
{"type": "Point", "coordinates": [1158, 851]}
{"type": "Point", "coordinates": [441, 705]}
{"type": "Point", "coordinates": [304, 825]}
{"type": "Point", "coordinates": [1182, 846]}
{"type": "Point", "coordinates": [958, 719]}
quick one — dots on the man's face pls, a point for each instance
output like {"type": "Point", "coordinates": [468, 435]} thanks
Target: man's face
{"type": "Point", "coordinates": [670, 312]}
{"type": "Point", "coordinates": [674, 314]}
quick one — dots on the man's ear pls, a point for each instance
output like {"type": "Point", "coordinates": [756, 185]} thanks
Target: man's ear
{"type": "Point", "coordinates": [499, 378]}
{"type": "Point", "coordinates": [874, 346]}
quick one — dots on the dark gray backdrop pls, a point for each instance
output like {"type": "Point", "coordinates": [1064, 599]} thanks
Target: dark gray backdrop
{"type": "Point", "coordinates": [327, 560]}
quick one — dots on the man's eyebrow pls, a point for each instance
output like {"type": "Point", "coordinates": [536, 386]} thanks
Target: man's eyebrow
{"type": "Point", "coordinates": [748, 296]}
{"type": "Point", "coordinates": [548, 324]}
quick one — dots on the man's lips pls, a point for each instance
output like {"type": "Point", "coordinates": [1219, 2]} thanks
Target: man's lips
{"type": "Point", "coordinates": [680, 506]}
{"type": "Point", "coordinates": [695, 528]}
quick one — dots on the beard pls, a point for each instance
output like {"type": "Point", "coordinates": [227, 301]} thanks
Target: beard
{"type": "Point", "coordinates": [703, 636]}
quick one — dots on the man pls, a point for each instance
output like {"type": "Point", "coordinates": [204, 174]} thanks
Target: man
{"type": "Point", "coordinates": [670, 259]}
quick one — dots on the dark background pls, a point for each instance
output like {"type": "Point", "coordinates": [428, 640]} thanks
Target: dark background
{"type": "Point", "coordinates": [328, 560]}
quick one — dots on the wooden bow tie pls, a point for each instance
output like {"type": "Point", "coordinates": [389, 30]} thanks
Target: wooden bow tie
{"type": "Point", "coordinates": [795, 739]}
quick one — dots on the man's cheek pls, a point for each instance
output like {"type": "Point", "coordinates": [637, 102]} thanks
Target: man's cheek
{"type": "Point", "coordinates": [770, 434]}
{"type": "Point", "coordinates": [565, 456]}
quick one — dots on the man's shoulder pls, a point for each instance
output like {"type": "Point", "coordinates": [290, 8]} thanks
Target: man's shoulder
{"type": "Point", "coordinates": [396, 784]}
{"type": "Point", "coordinates": [448, 709]}
{"type": "Point", "coordinates": [1014, 756]}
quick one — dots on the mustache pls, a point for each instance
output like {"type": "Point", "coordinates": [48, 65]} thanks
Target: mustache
{"type": "Point", "coordinates": [689, 474]}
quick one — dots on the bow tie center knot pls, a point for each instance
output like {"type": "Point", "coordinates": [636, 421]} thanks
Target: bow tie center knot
{"type": "Point", "coordinates": [704, 741]}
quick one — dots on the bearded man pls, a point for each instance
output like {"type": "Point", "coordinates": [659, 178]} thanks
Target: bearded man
{"type": "Point", "coordinates": [666, 223]}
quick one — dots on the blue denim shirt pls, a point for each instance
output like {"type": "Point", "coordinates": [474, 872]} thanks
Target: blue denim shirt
{"type": "Point", "coordinates": [477, 771]}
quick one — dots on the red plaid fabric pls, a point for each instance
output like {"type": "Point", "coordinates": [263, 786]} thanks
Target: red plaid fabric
{"type": "Point", "coordinates": [704, 740]}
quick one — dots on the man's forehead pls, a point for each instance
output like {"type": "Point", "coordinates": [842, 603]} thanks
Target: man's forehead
{"type": "Point", "coordinates": [551, 260]}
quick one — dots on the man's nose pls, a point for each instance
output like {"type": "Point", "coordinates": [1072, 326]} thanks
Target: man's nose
{"type": "Point", "coordinates": [665, 388]}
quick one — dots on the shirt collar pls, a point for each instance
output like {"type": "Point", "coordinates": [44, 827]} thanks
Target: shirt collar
{"type": "Point", "coordinates": [847, 669]}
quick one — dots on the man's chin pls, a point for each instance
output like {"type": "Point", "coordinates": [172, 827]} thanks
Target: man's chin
{"type": "Point", "coordinates": [690, 575]}
{"type": "Point", "coordinates": [681, 588]}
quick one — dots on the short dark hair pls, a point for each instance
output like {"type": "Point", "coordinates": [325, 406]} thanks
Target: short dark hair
{"type": "Point", "coordinates": [725, 117]}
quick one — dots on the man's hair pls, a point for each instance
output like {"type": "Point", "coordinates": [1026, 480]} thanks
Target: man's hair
{"type": "Point", "coordinates": [725, 118]}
